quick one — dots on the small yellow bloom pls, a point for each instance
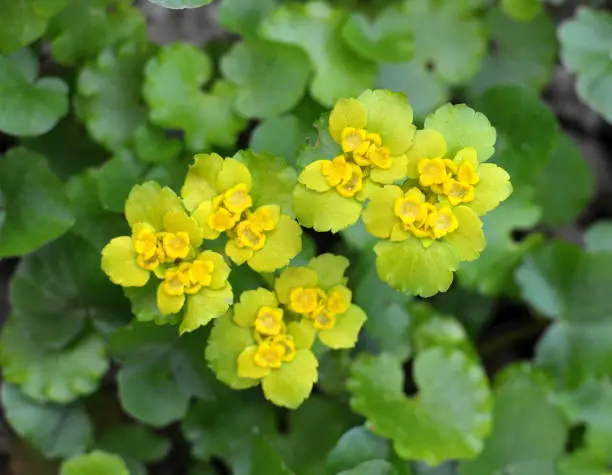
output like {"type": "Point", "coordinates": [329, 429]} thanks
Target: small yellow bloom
{"type": "Point", "coordinates": [176, 245]}
{"type": "Point", "coordinates": [411, 207]}
{"type": "Point", "coordinates": [442, 222]}
{"type": "Point", "coordinates": [380, 157]}
{"type": "Point", "coordinates": [262, 219]}
{"type": "Point", "coordinates": [323, 320]}
{"type": "Point", "coordinates": [467, 174]}
{"type": "Point", "coordinates": [269, 354]}
{"type": "Point", "coordinates": [304, 301]}
{"type": "Point", "coordinates": [249, 236]}
{"type": "Point", "coordinates": [145, 242]}
{"type": "Point", "coordinates": [458, 191]}
{"type": "Point", "coordinates": [237, 199]}
{"type": "Point", "coordinates": [353, 139]}
{"type": "Point", "coordinates": [175, 282]}
{"type": "Point", "coordinates": [432, 171]}
{"type": "Point", "coordinates": [221, 220]}
{"type": "Point", "coordinates": [353, 185]}
{"type": "Point", "coordinates": [336, 171]}
{"type": "Point", "coordinates": [269, 321]}
{"type": "Point", "coordinates": [337, 302]}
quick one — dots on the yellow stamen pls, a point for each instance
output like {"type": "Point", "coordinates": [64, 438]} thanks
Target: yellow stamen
{"type": "Point", "coordinates": [467, 174]}
{"type": "Point", "coordinates": [237, 199]}
{"type": "Point", "coordinates": [336, 304]}
{"type": "Point", "coordinates": [323, 320]}
{"type": "Point", "coordinates": [411, 207]}
{"type": "Point", "coordinates": [442, 222]}
{"type": "Point", "coordinates": [269, 354]}
{"type": "Point", "coordinates": [379, 156]}
{"type": "Point", "coordinates": [262, 220]}
{"type": "Point", "coordinates": [458, 192]}
{"type": "Point", "coordinates": [176, 245]}
{"type": "Point", "coordinates": [286, 342]}
{"type": "Point", "coordinates": [432, 171]}
{"type": "Point", "coordinates": [221, 220]}
{"type": "Point", "coordinates": [336, 171]}
{"type": "Point", "coordinates": [352, 139]}
{"type": "Point", "coordinates": [175, 282]}
{"type": "Point", "coordinates": [248, 236]}
{"type": "Point", "coordinates": [303, 300]}
{"type": "Point", "coordinates": [353, 184]}
{"type": "Point", "coordinates": [269, 321]}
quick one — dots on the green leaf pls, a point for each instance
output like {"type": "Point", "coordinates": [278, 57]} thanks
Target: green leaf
{"type": "Point", "coordinates": [273, 179]}
{"type": "Point", "coordinates": [135, 442]}
{"type": "Point", "coordinates": [524, 53]}
{"type": "Point", "coordinates": [144, 304]}
{"type": "Point", "coordinates": [34, 208]}
{"type": "Point", "coordinates": [324, 148]}
{"type": "Point", "coordinates": [522, 10]}
{"type": "Point", "coordinates": [462, 126]}
{"type": "Point", "coordinates": [271, 78]}
{"type": "Point", "coordinates": [527, 130]}
{"type": "Point", "coordinates": [24, 21]}
{"type": "Point", "coordinates": [383, 39]}
{"type": "Point", "coordinates": [598, 237]}
{"type": "Point", "coordinates": [67, 148]}
{"type": "Point", "coordinates": [57, 431]}
{"type": "Point", "coordinates": [153, 145]}
{"type": "Point", "coordinates": [226, 427]}
{"type": "Point", "coordinates": [281, 136]}
{"type": "Point", "coordinates": [156, 361]}
{"type": "Point", "coordinates": [391, 328]}
{"type": "Point", "coordinates": [172, 88]}
{"type": "Point", "coordinates": [356, 446]}
{"type": "Point", "coordinates": [491, 274]}
{"type": "Point", "coordinates": [108, 97]}
{"type": "Point", "coordinates": [371, 467]}
{"type": "Point", "coordinates": [590, 404]}
{"type": "Point", "coordinates": [59, 289]}
{"type": "Point", "coordinates": [29, 106]}
{"type": "Point", "coordinates": [116, 178]}
{"type": "Point", "coordinates": [94, 463]}
{"type": "Point", "coordinates": [267, 460]}
{"type": "Point", "coordinates": [81, 30]}
{"type": "Point", "coordinates": [438, 28]}
{"type": "Point", "coordinates": [423, 88]}
{"type": "Point", "coordinates": [566, 283]}
{"type": "Point", "coordinates": [93, 223]}
{"type": "Point", "coordinates": [305, 431]}
{"type": "Point", "coordinates": [584, 50]}
{"type": "Point", "coordinates": [438, 424]}
{"type": "Point", "coordinates": [244, 16]}
{"type": "Point", "coordinates": [317, 29]}
{"type": "Point", "coordinates": [51, 375]}
{"type": "Point", "coordinates": [179, 4]}
{"type": "Point", "coordinates": [584, 462]}
{"type": "Point", "coordinates": [528, 431]}
{"type": "Point", "coordinates": [566, 170]}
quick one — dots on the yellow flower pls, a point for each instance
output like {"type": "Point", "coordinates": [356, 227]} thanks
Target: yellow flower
{"type": "Point", "coordinates": [265, 239]}
{"type": "Point", "coordinates": [278, 358]}
{"type": "Point", "coordinates": [201, 284]}
{"type": "Point", "coordinates": [318, 295]}
{"type": "Point", "coordinates": [162, 233]}
{"type": "Point", "coordinates": [373, 133]}
{"type": "Point", "coordinates": [459, 180]}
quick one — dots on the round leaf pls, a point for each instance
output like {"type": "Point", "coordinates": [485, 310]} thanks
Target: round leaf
{"type": "Point", "coordinates": [34, 208]}
{"type": "Point", "coordinates": [94, 463]}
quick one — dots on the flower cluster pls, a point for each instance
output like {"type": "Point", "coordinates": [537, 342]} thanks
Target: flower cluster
{"type": "Point", "coordinates": [217, 191]}
{"type": "Point", "coordinates": [372, 133]}
{"type": "Point", "coordinates": [165, 241]}
{"type": "Point", "coordinates": [268, 337]}
{"type": "Point", "coordinates": [167, 233]}
{"type": "Point", "coordinates": [423, 192]}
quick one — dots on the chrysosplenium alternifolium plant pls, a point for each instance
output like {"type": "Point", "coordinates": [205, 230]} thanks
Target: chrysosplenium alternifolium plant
{"type": "Point", "coordinates": [420, 192]}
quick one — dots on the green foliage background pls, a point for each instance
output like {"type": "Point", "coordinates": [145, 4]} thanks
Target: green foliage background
{"type": "Point", "coordinates": [507, 373]}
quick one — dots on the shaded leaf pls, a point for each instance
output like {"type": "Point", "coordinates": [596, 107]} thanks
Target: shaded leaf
{"type": "Point", "coordinates": [25, 21]}
{"type": "Point", "coordinates": [34, 208]}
